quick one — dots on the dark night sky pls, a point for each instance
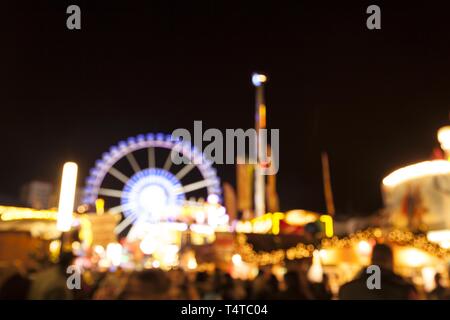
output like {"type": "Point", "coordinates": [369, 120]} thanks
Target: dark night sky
{"type": "Point", "coordinates": [373, 99]}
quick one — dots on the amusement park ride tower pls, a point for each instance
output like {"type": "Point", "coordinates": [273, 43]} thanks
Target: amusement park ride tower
{"type": "Point", "coordinates": [260, 123]}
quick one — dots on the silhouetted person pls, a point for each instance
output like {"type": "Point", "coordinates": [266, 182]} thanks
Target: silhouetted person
{"type": "Point", "coordinates": [15, 287]}
{"type": "Point", "coordinates": [440, 292]}
{"type": "Point", "coordinates": [321, 290]}
{"type": "Point", "coordinates": [393, 287]}
{"type": "Point", "coordinates": [146, 285]}
{"type": "Point", "coordinates": [293, 288]}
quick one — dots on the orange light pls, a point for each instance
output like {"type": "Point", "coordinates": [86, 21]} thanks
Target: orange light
{"type": "Point", "coordinates": [262, 116]}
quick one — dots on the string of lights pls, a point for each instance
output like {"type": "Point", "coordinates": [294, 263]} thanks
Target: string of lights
{"type": "Point", "coordinates": [300, 251]}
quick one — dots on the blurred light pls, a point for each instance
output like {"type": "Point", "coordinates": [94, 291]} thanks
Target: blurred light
{"type": "Point", "coordinates": [67, 197]}
{"type": "Point", "coordinates": [262, 116]}
{"type": "Point", "coordinates": [200, 217]}
{"type": "Point", "coordinates": [192, 263]}
{"type": "Point", "coordinates": [258, 79]}
{"type": "Point", "coordinates": [82, 208]}
{"type": "Point", "coordinates": [202, 229]}
{"type": "Point", "coordinates": [276, 217]}
{"type": "Point", "coordinates": [178, 226]}
{"type": "Point", "coordinates": [444, 138]}
{"type": "Point", "coordinates": [300, 217]}
{"type": "Point", "coordinates": [76, 247]}
{"type": "Point", "coordinates": [323, 254]}
{"type": "Point", "coordinates": [417, 171]}
{"type": "Point", "coordinates": [315, 273]}
{"type": "Point", "coordinates": [100, 206]}
{"type": "Point", "coordinates": [441, 237]}
{"type": "Point", "coordinates": [412, 257]}
{"type": "Point", "coordinates": [99, 250]}
{"type": "Point", "coordinates": [170, 255]}
{"type": "Point", "coordinates": [428, 275]}
{"type": "Point", "coordinates": [54, 248]}
{"type": "Point", "coordinates": [328, 221]}
{"type": "Point", "coordinates": [364, 248]}
{"type": "Point", "coordinates": [236, 259]}
{"type": "Point", "coordinates": [148, 245]}
{"type": "Point", "coordinates": [114, 253]}
{"type": "Point", "coordinates": [156, 264]}
{"type": "Point", "coordinates": [213, 199]}
{"type": "Point", "coordinates": [14, 213]}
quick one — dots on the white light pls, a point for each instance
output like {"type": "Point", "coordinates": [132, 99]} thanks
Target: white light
{"type": "Point", "coordinates": [323, 254]}
{"type": "Point", "coordinates": [315, 272]}
{"type": "Point", "coordinates": [67, 197]}
{"type": "Point", "coordinates": [236, 259]}
{"type": "Point", "coordinates": [99, 250]}
{"type": "Point", "coordinates": [444, 138]}
{"type": "Point", "coordinates": [364, 248]}
{"type": "Point", "coordinates": [148, 245]}
{"type": "Point", "coordinates": [258, 79]}
{"type": "Point", "coordinates": [156, 264]}
{"type": "Point", "coordinates": [202, 229]}
{"type": "Point", "coordinates": [170, 255]}
{"type": "Point", "coordinates": [417, 171]}
{"type": "Point", "coordinates": [178, 226]}
{"type": "Point", "coordinates": [213, 199]}
{"type": "Point", "coordinates": [114, 253]}
{"type": "Point", "coordinates": [153, 198]}
{"type": "Point", "coordinates": [441, 237]}
{"type": "Point", "coordinates": [428, 275]}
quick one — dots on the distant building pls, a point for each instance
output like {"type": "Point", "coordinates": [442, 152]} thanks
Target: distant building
{"type": "Point", "coordinates": [37, 194]}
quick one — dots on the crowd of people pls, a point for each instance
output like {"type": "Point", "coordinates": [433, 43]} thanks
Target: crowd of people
{"type": "Point", "coordinates": [176, 284]}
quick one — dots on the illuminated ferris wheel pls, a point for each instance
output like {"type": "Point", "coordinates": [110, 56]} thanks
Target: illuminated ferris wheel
{"type": "Point", "coordinates": [138, 179]}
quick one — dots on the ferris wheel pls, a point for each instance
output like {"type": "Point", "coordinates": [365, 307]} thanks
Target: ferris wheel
{"type": "Point", "coordinates": [138, 179]}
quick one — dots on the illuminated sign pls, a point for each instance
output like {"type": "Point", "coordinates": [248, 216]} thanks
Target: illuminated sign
{"type": "Point", "coordinates": [270, 223]}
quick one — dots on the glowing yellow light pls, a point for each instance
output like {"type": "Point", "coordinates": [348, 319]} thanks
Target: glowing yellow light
{"type": "Point", "coordinates": [417, 171]}
{"type": "Point", "coordinates": [100, 206]}
{"type": "Point", "coordinates": [192, 263]}
{"type": "Point", "coordinates": [276, 217]}
{"type": "Point", "coordinates": [54, 248]}
{"type": "Point", "coordinates": [236, 259]}
{"type": "Point", "coordinates": [67, 196]}
{"type": "Point", "coordinates": [364, 248]}
{"type": "Point", "coordinates": [76, 246]}
{"type": "Point", "coordinates": [328, 221]}
{"type": "Point", "coordinates": [315, 273]}
{"type": "Point", "coordinates": [300, 217]}
{"type": "Point", "coordinates": [14, 213]}
{"type": "Point", "coordinates": [262, 116]}
{"type": "Point", "coordinates": [412, 257]}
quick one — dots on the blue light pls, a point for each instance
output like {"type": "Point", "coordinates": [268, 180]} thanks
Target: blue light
{"type": "Point", "coordinates": [258, 79]}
